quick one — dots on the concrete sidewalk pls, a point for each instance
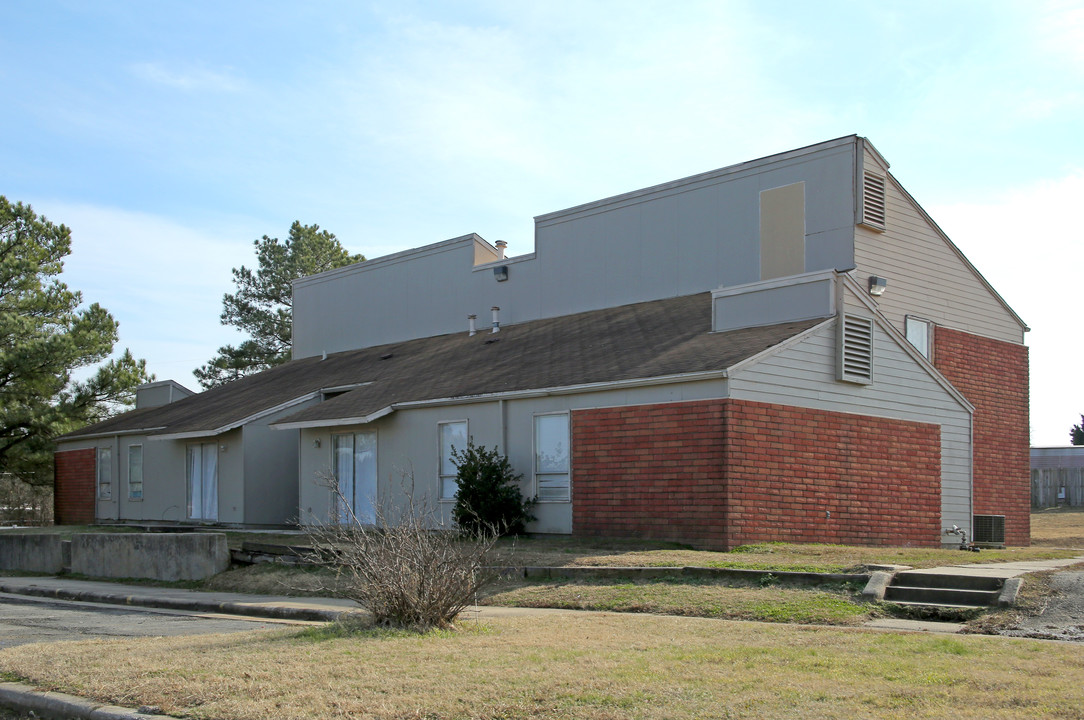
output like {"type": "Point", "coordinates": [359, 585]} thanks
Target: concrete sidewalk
{"type": "Point", "coordinates": [322, 609]}
{"type": "Point", "coordinates": [1001, 570]}
{"type": "Point", "coordinates": [268, 606]}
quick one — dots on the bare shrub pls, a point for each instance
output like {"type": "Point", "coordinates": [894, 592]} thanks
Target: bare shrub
{"type": "Point", "coordinates": [24, 504]}
{"type": "Point", "coordinates": [408, 569]}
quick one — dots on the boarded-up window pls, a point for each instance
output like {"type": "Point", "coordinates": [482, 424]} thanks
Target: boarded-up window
{"type": "Point", "coordinates": [782, 231]}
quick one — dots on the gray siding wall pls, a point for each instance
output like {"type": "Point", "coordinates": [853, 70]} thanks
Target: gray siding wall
{"type": "Point", "coordinates": [408, 445]}
{"type": "Point", "coordinates": [926, 276]}
{"type": "Point", "coordinates": [684, 237]}
{"type": "Point", "coordinates": [164, 484]}
{"type": "Point", "coordinates": [804, 375]}
{"type": "Point", "coordinates": [271, 464]}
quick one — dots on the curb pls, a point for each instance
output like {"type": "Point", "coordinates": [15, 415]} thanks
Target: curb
{"type": "Point", "coordinates": [771, 576]}
{"type": "Point", "coordinates": [45, 704]}
{"type": "Point", "coordinates": [193, 605]}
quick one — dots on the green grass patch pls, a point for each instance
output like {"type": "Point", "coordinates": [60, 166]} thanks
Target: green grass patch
{"type": "Point", "coordinates": [694, 598]}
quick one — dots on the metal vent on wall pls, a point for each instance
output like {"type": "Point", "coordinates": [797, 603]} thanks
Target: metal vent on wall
{"type": "Point", "coordinates": [873, 200]}
{"type": "Point", "coordinates": [989, 529]}
{"type": "Point", "coordinates": [856, 350]}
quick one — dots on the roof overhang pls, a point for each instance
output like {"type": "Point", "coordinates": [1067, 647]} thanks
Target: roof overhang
{"type": "Point", "coordinates": [211, 432]}
{"type": "Point", "coordinates": [507, 395]}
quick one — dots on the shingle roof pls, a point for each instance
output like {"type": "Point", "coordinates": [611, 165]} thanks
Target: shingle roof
{"type": "Point", "coordinates": [645, 340]}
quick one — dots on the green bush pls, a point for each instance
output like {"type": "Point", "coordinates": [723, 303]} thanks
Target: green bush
{"type": "Point", "coordinates": [488, 499]}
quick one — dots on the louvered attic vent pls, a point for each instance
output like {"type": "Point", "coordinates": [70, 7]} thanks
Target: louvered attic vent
{"type": "Point", "coordinates": [856, 350]}
{"type": "Point", "coordinates": [873, 200]}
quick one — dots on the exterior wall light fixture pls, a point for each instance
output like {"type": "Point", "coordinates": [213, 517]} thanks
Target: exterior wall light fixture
{"type": "Point", "coordinates": [501, 273]}
{"type": "Point", "coordinates": [877, 285]}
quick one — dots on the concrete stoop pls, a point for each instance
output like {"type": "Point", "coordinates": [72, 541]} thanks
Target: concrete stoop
{"type": "Point", "coordinates": [947, 590]}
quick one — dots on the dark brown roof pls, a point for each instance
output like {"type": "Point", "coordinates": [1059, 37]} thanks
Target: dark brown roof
{"type": "Point", "coordinates": [644, 340]}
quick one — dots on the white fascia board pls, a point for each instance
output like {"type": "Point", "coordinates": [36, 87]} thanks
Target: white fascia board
{"type": "Point", "coordinates": [115, 433]}
{"type": "Point", "coordinates": [814, 276]}
{"type": "Point", "coordinates": [335, 422]}
{"type": "Point", "coordinates": [344, 388]}
{"type": "Point", "coordinates": [775, 349]}
{"type": "Point", "coordinates": [848, 283]}
{"type": "Point", "coordinates": [673, 186]}
{"type": "Point", "coordinates": [952, 246]}
{"type": "Point", "coordinates": [509, 395]}
{"type": "Point", "coordinates": [238, 423]}
{"type": "Point", "coordinates": [505, 261]}
{"type": "Point", "coordinates": [394, 258]}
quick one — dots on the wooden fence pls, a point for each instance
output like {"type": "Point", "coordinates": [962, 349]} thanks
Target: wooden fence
{"type": "Point", "coordinates": [1057, 486]}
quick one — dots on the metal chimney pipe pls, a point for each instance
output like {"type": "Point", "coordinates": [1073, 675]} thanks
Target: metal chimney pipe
{"type": "Point", "coordinates": [496, 320]}
{"type": "Point", "coordinates": [473, 330]}
{"type": "Point", "coordinates": [500, 245]}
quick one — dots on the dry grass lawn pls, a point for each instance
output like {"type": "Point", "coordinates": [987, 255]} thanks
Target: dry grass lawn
{"type": "Point", "coordinates": [563, 551]}
{"type": "Point", "coordinates": [602, 666]}
{"type": "Point", "coordinates": [1058, 527]}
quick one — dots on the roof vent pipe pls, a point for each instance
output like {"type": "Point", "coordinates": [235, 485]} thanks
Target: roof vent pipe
{"type": "Point", "coordinates": [473, 330]}
{"type": "Point", "coordinates": [496, 321]}
{"type": "Point", "coordinates": [501, 245]}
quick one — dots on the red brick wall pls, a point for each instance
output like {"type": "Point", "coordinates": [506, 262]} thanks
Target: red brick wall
{"type": "Point", "coordinates": [724, 473]}
{"type": "Point", "coordinates": [993, 376]}
{"type": "Point", "coordinates": [787, 467]}
{"type": "Point", "coordinates": [73, 490]}
{"type": "Point", "coordinates": [650, 471]}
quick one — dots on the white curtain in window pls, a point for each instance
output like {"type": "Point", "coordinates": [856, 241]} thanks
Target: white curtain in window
{"type": "Point", "coordinates": [342, 449]}
{"type": "Point", "coordinates": [452, 435]}
{"type": "Point", "coordinates": [365, 477]}
{"type": "Point", "coordinates": [202, 466]}
{"type": "Point", "coordinates": [210, 481]}
{"type": "Point", "coordinates": [194, 466]}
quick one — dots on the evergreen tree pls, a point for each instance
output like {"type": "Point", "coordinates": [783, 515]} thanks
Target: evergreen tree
{"type": "Point", "coordinates": [44, 336]}
{"type": "Point", "coordinates": [262, 306]}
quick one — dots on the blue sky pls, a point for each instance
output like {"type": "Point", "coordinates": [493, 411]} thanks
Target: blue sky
{"type": "Point", "coordinates": [169, 136]}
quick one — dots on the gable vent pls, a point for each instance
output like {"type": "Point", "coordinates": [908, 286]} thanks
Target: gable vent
{"type": "Point", "coordinates": [856, 350]}
{"type": "Point", "coordinates": [873, 200]}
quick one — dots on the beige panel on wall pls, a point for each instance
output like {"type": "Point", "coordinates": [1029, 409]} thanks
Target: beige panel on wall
{"type": "Point", "coordinates": [782, 231]}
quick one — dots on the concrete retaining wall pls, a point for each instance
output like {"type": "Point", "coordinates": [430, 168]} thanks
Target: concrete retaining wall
{"type": "Point", "coordinates": [159, 556]}
{"type": "Point", "coordinates": [34, 553]}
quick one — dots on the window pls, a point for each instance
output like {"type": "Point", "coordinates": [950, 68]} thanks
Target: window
{"type": "Point", "coordinates": [104, 473]}
{"type": "Point", "coordinates": [135, 472]}
{"type": "Point", "coordinates": [202, 472]}
{"type": "Point", "coordinates": [354, 456]}
{"type": "Point", "coordinates": [856, 349]}
{"type": "Point", "coordinates": [452, 435]}
{"type": "Point", "coordinates": [873, 200]}
{"type": "Point", "coordinates": [551, 457]}
{"type": "Point", "coordinates": [918, 334]}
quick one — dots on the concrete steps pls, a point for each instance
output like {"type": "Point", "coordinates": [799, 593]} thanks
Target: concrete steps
{"type": "Point", "coordinates": [944, 590]}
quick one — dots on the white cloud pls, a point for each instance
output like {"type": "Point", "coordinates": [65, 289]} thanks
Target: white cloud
{"type": "Point", "coordinates": [1026, 244]}
{"type": "Point", "coordinates": [192, 78]}
{"type": "Point", "coordinates": [162, 281]}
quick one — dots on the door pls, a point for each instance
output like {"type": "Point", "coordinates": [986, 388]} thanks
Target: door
{"type": "Point", "coordinates": [355, 473]}
{"type": "Point", "coordinates": [202, 471]}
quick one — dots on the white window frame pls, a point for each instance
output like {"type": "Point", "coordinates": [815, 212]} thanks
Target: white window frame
{"type": "Point", "coordinates": [442, 477]}
{"type": "Point", "coordinates": [105, 485]}
{"type": "Point", "coordinates": [132, 497]}
{"type": "Point", "coordinates": [908, 321]}
{"type": "Point", "coordinates": [537, 475]}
